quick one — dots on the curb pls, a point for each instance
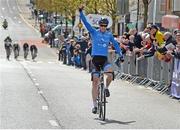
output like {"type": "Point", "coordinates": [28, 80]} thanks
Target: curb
{"type": "Point", "coordinates": [23, 18]}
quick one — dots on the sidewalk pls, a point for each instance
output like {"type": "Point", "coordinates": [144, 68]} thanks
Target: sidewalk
{"type": "Point", "coordinates": [25, 13]}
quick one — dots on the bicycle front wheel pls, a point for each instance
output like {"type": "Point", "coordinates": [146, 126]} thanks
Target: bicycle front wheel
{"type": "Point", "coordinates": [103, 104]}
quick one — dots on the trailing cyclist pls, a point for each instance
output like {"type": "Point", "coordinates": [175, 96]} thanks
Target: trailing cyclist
{"type": "Point", "coordinates": [34, 51]}
{"type": "Point", "coordinates": [26, 50]}
{"type": "Point", "coordinates": [8, 46]}
{"type": "Point", "coordinates": [16, 49]}
{"type": "Point", "coordinates": [5, 24]}
{"type": "Point", "coordinates": [100, 41]}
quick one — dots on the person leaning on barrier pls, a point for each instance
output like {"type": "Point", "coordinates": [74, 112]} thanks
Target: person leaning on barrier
{"type": "Point", "coordinates": [170, 44]}
{"type": "Point", "coordinates": [176, 51]}
{"type": "Point", "coordinates": [148, 48]}
{"type": "Point", "coordinates": [175, 83]}
{"type": "Point", "coordinates": [137, 38]}
{"type": "Point", "coordinates": [157, 36]}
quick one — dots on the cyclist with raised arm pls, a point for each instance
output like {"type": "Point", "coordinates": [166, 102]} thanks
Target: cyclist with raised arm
{"type": "Point", "coordinates": [100, 41]}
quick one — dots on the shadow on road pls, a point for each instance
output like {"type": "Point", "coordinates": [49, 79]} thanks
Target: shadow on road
{"type": "Point", "coordinates": [109, 121]}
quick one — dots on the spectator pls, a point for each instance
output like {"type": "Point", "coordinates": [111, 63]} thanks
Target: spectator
{"type": "Point", "coordinates": [175, 84]}
{"type": "Point", "coordinates": [42, 29]}
{"type": "Point", "coordinates": [51, 37]}
{"type": "Point", "coordinates": [137, 38]}
{"type": "Point", "coordinates": [170, 43]}
{"type": "Point", "coordinates": [77, 57]}
{"type": "Point", "coordinates": [148, 48]}
{"type": "Point", "coordinates": [88, 57]}
{"type": "Point", "coordinates": [157, 36]}
{"type": "Point", "coordinates": [62, 53]}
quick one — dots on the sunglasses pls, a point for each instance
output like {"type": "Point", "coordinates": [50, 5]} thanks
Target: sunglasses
{"type": "Point", "coordinates": [103, 25]}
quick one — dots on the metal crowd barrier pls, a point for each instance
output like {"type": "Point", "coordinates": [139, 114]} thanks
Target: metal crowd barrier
{"type": "Point", "coordinates": [149, 72]}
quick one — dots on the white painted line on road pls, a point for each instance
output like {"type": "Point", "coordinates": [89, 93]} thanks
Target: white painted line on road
{"type": "Point", "coordinates": [53, 123]}
{"type": "Point", "coordinates": [45, 108]}
{"type": "Point", "coordinates": [39, 62]}
{"type": "Point", "coordinates": [50, 62]}
{"type": "Point", "coordinates": [141, 87]}
{"type": "Point", "coordinates": [34, 79]}
{"type": "Point", "coordinates": [19, 22]}
{"type": "Point", "coordinates": [150, 88]}
{"type": "Point", "coordinates": [9, 7]}
{"type": "Point", "coordinates": [40, 92]}
{"type": "Point", "coordinates": [37, 84]}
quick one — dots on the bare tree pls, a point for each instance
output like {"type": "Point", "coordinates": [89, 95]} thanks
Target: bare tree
{"type": "Point", "coordinates": [146, 5]}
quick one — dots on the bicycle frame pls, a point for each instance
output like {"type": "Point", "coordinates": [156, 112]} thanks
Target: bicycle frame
{"type": "Point", "coordinates": [101, 99]}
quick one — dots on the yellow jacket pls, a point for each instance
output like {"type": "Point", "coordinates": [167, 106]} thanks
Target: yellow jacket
{"type": "Point", "coordinates": [159, 38]}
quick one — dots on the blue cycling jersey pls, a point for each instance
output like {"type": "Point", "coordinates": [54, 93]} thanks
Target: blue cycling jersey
{"type": "Point", "coordinates": [100, 40]}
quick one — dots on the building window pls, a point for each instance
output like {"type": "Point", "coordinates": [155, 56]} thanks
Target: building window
{"type": "Point", "coordinates": [163, 5]}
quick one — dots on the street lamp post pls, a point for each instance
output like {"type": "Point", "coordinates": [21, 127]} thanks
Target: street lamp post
{"type": "Point", "coordinates": [80, 28]}
{"type": "Point", "coordinates": [66, 28]}
{"type": "Point", "coordinates": [73, 22]}
{"type": "Point", "coordinates": [137, 15]}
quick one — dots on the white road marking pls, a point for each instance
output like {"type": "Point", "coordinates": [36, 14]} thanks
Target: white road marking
{"type": "Point", "coordinates": [19, 22]}
{"type": "Point", "coordinates": [150, 88]}
{"type": "Point", "coordinates": [45, 108]}
{"type": "Point", "coordinates": [34, 79]}
{"type": "Point", "coordinates": [141, 87]}
{"type": "Point", "coordinates": [37, 84]}
{"type": "Point", "coordinates": [39, 62]}
{"type": "Point", "coordinates": [9, 7]}
{"type": "Point", "coordinates": [50, 62]}
{"type": "Point", "coordinates": [40, 92]}
{"type": "Point", "coordinates": [53, 123]}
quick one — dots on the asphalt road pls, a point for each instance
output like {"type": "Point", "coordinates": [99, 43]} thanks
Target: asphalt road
{"type": "Point", "coordinates": [48, 94]}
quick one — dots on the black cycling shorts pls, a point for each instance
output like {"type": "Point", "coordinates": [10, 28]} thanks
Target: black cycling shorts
{"type": "Point", "coordinates": [99, 62]}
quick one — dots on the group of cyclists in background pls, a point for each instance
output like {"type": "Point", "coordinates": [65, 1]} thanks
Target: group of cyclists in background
{"type": "Point", "coordinates": [15, 47]}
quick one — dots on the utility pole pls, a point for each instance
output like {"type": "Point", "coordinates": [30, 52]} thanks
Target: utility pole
{"type": "Point", "coordinates": [154, 12]}
{"type": "Point", "coordinates": [137, 15]}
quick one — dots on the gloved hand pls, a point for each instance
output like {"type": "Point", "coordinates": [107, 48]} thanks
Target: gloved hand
{"type": "Point", "coordinates": [81, 7]}
{"type": "Point", "coordinates": [119, 60]}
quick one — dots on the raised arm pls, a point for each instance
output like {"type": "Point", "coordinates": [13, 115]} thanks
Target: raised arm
{"type": "Point", "coordinates": [88, 26]}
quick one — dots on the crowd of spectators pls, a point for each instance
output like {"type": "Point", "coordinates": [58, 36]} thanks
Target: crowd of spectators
{"type": "Point", "coordinates": [150, 42]}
